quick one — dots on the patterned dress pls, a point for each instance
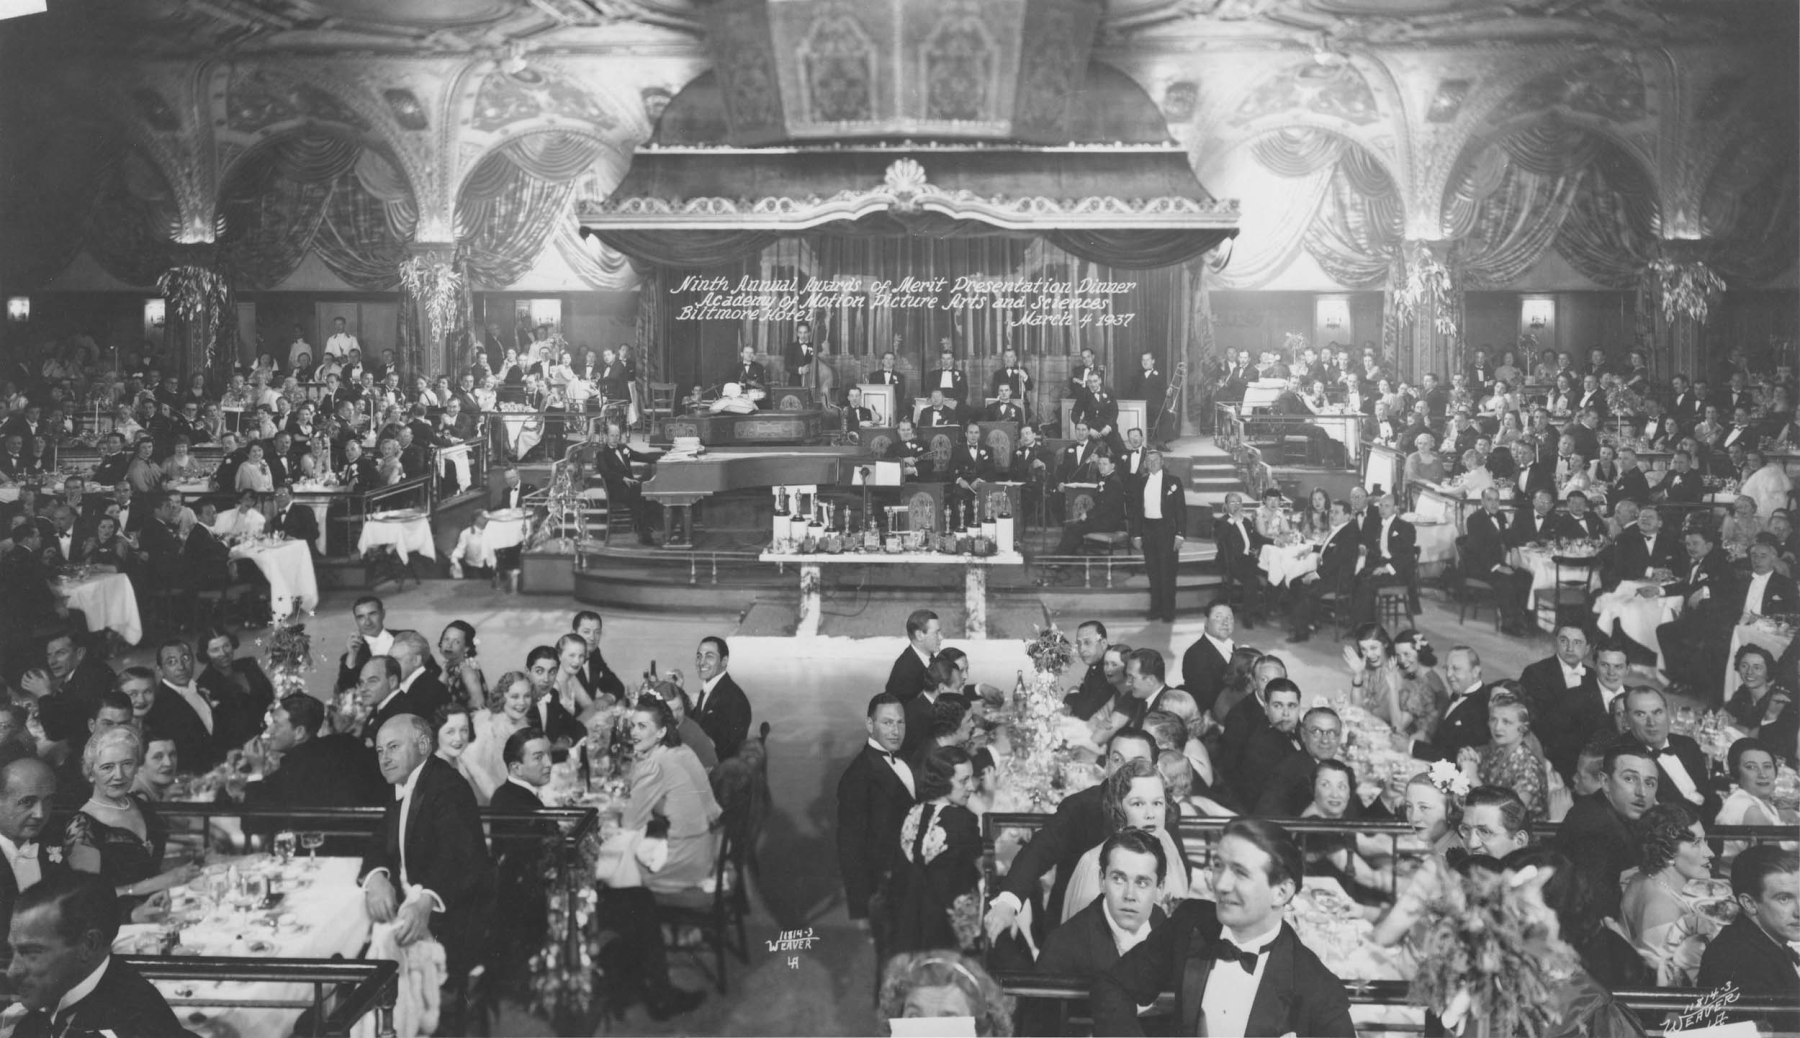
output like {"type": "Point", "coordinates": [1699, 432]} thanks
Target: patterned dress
{"type": "Point", "coordinates": [1521, 771]}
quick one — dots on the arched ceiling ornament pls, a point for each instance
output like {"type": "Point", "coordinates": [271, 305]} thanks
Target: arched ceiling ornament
{"type": "Point", "coordinates": [494, 105]}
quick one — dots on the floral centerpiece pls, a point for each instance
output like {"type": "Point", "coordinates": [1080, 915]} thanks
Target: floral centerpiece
{"type": "Point", "coordinates": [1490, 960]}
{"type": "Point", "coordinates": [1041, 768]}
{"type": "Point", "coordinates": [288, 648]}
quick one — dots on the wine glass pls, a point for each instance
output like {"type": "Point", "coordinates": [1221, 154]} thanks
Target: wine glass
{"type": "Point", "coordinates": [244, 899]}
{"type": "Point", "coordinates": [285, 842]}
{"type": "Point", "coordinates": [218, 888]}
{"type": "Point", "coordinates": [312, 840]}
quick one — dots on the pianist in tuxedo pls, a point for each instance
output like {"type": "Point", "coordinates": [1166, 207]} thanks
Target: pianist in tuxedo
{"type": "Point", "coordinates": [800, 354]}
{"type": "Point", "coordinates": [1235, 965]}
{"type": "Point", "coordinates": [948, 377]}
{"type": "Point", "coordinates": [622, 483]}
{"type": "Point", "coordinates": [1004, 408]}
{"type": "Point", "coordinates": [749, 373]}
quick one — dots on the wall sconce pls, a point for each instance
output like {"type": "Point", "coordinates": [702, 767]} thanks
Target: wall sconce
{"type": "Point", "coordinates": [1333, 314]}
{"type": "Point", "coordinates": [18, 309]}
{"type": "Point", "coordinates": [547, 311]}
{"type": "Point", "coordinates": [156, 313]}
{"type": "Point", "coordinates": [1538, 313]}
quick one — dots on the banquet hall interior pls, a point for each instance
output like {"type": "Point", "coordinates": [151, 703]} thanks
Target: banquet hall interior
{"type": "Point", "coordinates": [377, 352]}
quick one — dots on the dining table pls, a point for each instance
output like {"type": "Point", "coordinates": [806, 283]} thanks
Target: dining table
{"type": "Point", "coordinates": [1283, 563]}
{"type": "Point", "coordinates": [408, 532]}
{"type": "Point", "coordinates": [311, 912]}
{"type": "Point", "coordinates": [288, 566]}
{"type": "Point", "coordinates": [108, 600]}
{"type": "Point", "coordinates": [1638, 616]}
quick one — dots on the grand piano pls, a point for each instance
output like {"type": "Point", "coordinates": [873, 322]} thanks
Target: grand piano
{"type": "Point", "coordinates": [681, 483]}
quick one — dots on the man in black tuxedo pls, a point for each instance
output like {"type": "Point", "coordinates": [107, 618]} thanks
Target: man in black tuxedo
{"type": "Point", "coordinates": [1077, 387]}
{"type": "Point", "coordinates": [1680, 484]}
{"type": "Point", "coordinates": [1238, 547]}
{"type": "Point", "coordinates": [595, 676]}
{"type": "Point", "coordinates": [27, 788]}
{"type": "Point", "coordinates": [203, 728]}
{"type": "Point", "coordinates": [940, 411]}
{"type": "Point", "coordinates": [1681, 766]}
{"type": "Point", "coordinates": [1553, 683]}
{"type": "Point", "coordinates": [295, 521]}
{"type": "Point", "coordinates": [1755, 952]}
{"type": "Point", "coordinates": [1704, 581]}
{"type": "Point", "coordinates": [1389, 561]}
{"type": "Point", "coordinates": [1094, 691]}
{"type": "Point", "coordinates": [369, 638]}
{"type": "Point", "coordinates": [427, 868]}
{"type": "Point", "coordinates": [948, 377]}
{"type": "Point", "coordinates": [1580, 522]}
{"type": "Point", "coordinates": [749, 374]}
{"type": "Point", "coordinates": [165, 559]}
{"type": "Point", "coordinates": [1133, 867]}
{"type": "Point", "coordinates": [1004, 408]}
{"type": "Point", "coordinates": [1484, 550]}
{"type": "Point", "coordinates": [69, 686]}
{"type": "Point", "coordinates": [887, 376]}
{"type": "Point", "coordinates": [549, 713]}
{"type": "Point", "coordinates": [1465, 721]}
{"type": "Point", "coordinates": [64, 973]}
{"type": "Point", "coordinates": [1015, 378]}
{"type": "Point", "coordinates": [924, 637]}
{"type": "Point", "coordinates": [1267, 745]}
{"type": "Point", "coordinates": [1632, 484]}
{"type": "Point", "coordinates": [1157, 507]}
{"type": "Point", "coordinates": [1601, 823]}
{"type": "Point", "coordinates": [1334, 573]}
{"type": "Point", "coordinates": [378, 692]}
{"type": "Point", "coordinates": [1152, 387]}
{"type": "Point", "coordinates": [520, 895]}
{"type": "Point", "coordinates": [622, 483]}
{"type": "Point", "coordinates": [1289, 788]}
{"type": "Point", "coordinates": [1764, 591]}
{"type": "Point", "coordinates": [1235, 966]}
{"type": "Point", "coordinates": [1107, 514]}
{"type": "Point", "coordinates": [1642, 548]}
{"type": "Point", "coordinates": [1075, 464]}
{"type": "Point", "coordinates": [1099, 411]}
{"type": "Point", "coordinates": [420, 686]}
{"type": "Point", "coordinates": [799, 354]}
{"type": "Point", "coordinates": [1540, 524]}
{"type": "Point", "coordinates": [1079, 824]}
{"type": "Point", "coordinates": [1204, 663]}
{"type": "Point", "coordinates": [512, 491]}
{"type": "Point", "coordinates": [873, 796]}
{"type": "Point", "coordinates": [314, 769]}
{"type": "Point", "coordinates": [720, 707]}
{"type": "Point", "coordinates": [1685, 404]}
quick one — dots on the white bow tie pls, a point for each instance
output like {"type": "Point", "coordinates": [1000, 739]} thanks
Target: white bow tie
{"type": "Point", "coordinates": [28, 851]}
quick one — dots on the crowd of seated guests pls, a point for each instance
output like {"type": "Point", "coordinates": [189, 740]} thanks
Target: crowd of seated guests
{"type": "Point", "coordinates": [1566, 741]}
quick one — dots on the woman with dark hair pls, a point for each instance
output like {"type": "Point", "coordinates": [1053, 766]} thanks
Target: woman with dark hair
{"type": "Point", "coordinates": [1660, 918]}
{"type": "Point", "coordinates": [1423, 695]}
{"type": "Point", "coordinates": [1375, 677]}
{"type": "Point", "coordinates": [1753, 770]}
{"type": "Point", "coordinates": [455, 727]}
{"type": "Point", "coordinates": [1316, 523]}
{"type": "Point", "coordinates": [463, 678]}
{"type": "Point", "coordinates": [932, 898]}
{"type": "Point", "coordinates": [1571, 894]}
{"type": "Point", "coordinates": [668, 780]}
{"type": "Point", "coordinates": [1762, 707]}
{"type": "Point", "coordinates": [225, 673]}
{"type": "Point", "coordinates": [1132, 797]}
{"type": "Point", "coordinates": [106, 550]}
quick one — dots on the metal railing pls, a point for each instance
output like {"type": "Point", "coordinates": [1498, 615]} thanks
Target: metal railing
{"type": "Point", "coordinates": [343, 991]}
{"type": "Point", "coordinates": [568, 826]}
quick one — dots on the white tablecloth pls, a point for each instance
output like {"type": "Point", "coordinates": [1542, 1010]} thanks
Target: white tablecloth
{"type": "Point", "coordinates": [523, 430]}
{"type": "Point", "coordinates": [109, 601]}
{"type": "Point", "coordinates": [1345, 429]}
{"type": "Point", "coordinates": [504, 533]}
{"type": "Point", "coordinates": [9, 493]}
{"type": "Point", "coordinates": [455, 458]}
{"type": "Point", "coordinates": [405, 535]}
{"type": "Point", "coordinates": [332, 921]}
{"type": "Point", "coordinates": [1289, 563]}
{"type": "Point", "coordinates": [1760, 633]}
{"type": "Point", "coordinates": [1542, 566]}
{"type": "Point", "coordinates": [289, 570]}
{"type": "Point", "coordinates": [1638, 616]}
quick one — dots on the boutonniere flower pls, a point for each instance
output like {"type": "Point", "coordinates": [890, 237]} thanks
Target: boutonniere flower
{"type": "Point", "coordinates": [54, 854]}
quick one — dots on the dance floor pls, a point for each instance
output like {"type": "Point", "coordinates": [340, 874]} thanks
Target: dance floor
{"type": "Point", "coordinates": [812, 692]}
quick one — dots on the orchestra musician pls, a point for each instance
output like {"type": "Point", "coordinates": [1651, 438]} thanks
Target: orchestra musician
{"type": "Point", "coordinates": [887, 376]}
{"type": "Point", "coordinates": [800, 354]}
{"type": "Point", "coordinates": [1099, 411]}
{"type": "Point", "coordinates": [856, 415]}
{"type": "Point", "coordinates": [1004, 409]}
{"type": "Point", "coordinates": [1078, 377]}
{"type": "Point", "coordinates": [1012, 376]}
{"type": "Point", "coordinates": [970, 461]}
{"type": "Point", "coordinates": [940, 411]}
{"type": "Point", "coordinates": [910, 452]}
{"type": "Point", "coordinates": [1152, 387]}
{"type": "Point", "coordinates": [750, 375]}
{"type": "Point", "coordinates": [947, 376]}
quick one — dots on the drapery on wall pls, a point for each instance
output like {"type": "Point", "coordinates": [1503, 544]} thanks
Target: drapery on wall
{"type": "Point", "coordinates": [515, 199]}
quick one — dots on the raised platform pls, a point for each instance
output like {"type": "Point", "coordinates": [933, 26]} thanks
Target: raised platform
{"type": "Point", "coordinates": [761, 429]}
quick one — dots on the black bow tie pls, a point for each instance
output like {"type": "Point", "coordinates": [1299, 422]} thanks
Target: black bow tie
{"type": "Point", "coordinates": [1225, 951]}
{"type": "Point", "coordinates": [1667, 751]}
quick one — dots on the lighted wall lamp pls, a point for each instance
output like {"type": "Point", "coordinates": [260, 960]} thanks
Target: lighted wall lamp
{"type": "Point", "coordinates": [156, 313]}
{"type": "Point", "coordinates": [1333, 313]}
{"type": "Point", "coordinates": [1539, 312]}
{"type": "Point", "coordinates": [18, 309]}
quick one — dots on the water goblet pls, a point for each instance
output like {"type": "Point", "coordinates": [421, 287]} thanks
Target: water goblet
{"type": "Point", "coordinates": [285, 843]}
{"type": "Point", "coordinates": [312, 840]}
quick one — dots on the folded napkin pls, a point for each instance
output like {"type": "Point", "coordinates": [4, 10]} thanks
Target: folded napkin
{"type": "Point", "coordinates": [422, 974]}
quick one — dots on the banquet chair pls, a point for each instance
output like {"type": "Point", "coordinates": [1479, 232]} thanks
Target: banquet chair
{"type": "Point", "coordinates": [1471, 591]}
{"type": "Point", "coordinates": [1395, 604]}
{"type": "Point", "coordinates": [1570, 597]}
{"type": "Point", "coordinates": [661, 403]}
{"type": "Point", "coordinates": [717, 915]}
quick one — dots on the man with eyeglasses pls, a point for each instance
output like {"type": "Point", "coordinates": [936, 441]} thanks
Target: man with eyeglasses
{"type": "Point", "coordinates": [1290, 789]}
{"type": "Point", "coordinates": [1495, 822]}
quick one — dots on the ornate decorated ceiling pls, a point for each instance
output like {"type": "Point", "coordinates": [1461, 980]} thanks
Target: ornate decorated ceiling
{"type": "Point", "coordinates": [1697, 95]}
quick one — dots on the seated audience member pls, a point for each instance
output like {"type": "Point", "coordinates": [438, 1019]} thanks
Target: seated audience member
{"type": "Point", "coordinates": [1134, 796]}
{"type": "Point", "coordinates": [116, 834]}
{"type": "Point", "coordinates": [1659, 918]}
{"type": "Point", "coordinates": [1753, 769]}
{"type": "Point", "coordinates": [27, 788]}
{"type": "Point", "coordinates": [1607, 816]}
{"type": "Point", "coordinates": [1289, 788]}
{"type": "Point", "coordinates": [1755, 951]}
{"type": "Point", "coordinates": [1389, 561]}
{"type": "Point", "coordinates": [1257, 871]}
{"type": "Point", "coordinates": [720, 706]}
{"type": "Point", "coordinates": [1270, 744]}
{"type": "Point", "coordinates": [455, 729]}
{"type": "Point", "coordinates": [64, 971]}
{"type": "Point", "coordinates": [229, 675]}
{"type": "Point", "coordinates": [520, 896]}
{"type": "Point", "coordinates": [692, 735]}
{"type": "Point", "coordinates": [1681, 765]}
{"type": "Point", "coordinates": [1512, 757]}
{"type": "Point", "coordinates": [68, 687]}
{"type": "Point", "coordinates": [1093, 692]}
{"type": "Point", "coordinates": [204, 729]}
{"type": "Point", "coordinates": [1133, 867]}
{"type": "Point", "coordinates": [1239, 545]}
{"type": "Point", "coordinates": [1494, 822]}
{"type": "Point", "coordinates": [311, 767]}
{"type": "Point", "coordinates": [1606, 954]}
